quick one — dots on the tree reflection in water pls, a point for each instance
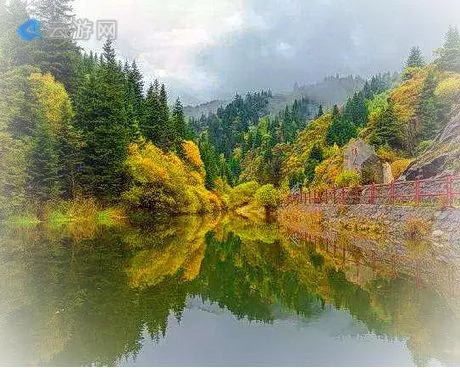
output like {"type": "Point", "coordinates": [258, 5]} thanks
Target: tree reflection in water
{"type": "Point", "coordinates": [91, 299]}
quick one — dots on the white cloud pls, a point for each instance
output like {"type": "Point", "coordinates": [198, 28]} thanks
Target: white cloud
{"type": "Point", "coordinates": [164, 36]}
{"type": "Point", "coordinates": [205, 48]}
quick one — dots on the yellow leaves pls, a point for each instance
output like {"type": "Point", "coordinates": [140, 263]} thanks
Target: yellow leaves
{"type": "Point", "coordinates": [53, 101]}
{"type": "Point", "coordinates": [314, 133]}
{"type": "Point", "coordinates": [399, 166]}
{"type": "Point", "coordinates": [192, 154]}
{"type": "Point", "coordinates": [406, 97]}
{"type": "Point", "coordinates": [328, 170]}
{"type": "Point", "coordinates": [145, 164]}
{"type": "Point", "coordinates": [449, 88]}
{"type": "Point", "coordinates": [166, 182]}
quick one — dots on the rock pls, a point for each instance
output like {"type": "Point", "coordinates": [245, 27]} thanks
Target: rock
{"type": "Point", "coordinates": [356, 153]}
{"type": "Point", "coordinates": [442, 215]}
{"type": "Point", "coordinates": [443, 157]}
{"type": "Point", "coordinates": [372, 170]}
{"type": "Point", "coordinates": [387, 174]}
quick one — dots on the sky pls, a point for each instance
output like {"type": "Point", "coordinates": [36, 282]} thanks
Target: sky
{"type": "Point", "coordinates": [207, 49]}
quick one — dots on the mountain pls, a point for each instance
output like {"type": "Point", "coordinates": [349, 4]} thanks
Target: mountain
{"type": "Point", "coordinates": [332, 90]}
{"type": "Point", "coordinates": [204, 108]}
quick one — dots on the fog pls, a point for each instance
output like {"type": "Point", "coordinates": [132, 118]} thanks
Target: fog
{"type": "Point", "coordinates": [210, 49]}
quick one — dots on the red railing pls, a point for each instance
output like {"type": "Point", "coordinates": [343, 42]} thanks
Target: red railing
{"type": "Point", "coordinates": [443, 191]}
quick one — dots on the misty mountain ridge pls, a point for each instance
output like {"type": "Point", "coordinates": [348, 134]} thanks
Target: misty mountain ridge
{"type": "Point", "coordinates": [331, 90]}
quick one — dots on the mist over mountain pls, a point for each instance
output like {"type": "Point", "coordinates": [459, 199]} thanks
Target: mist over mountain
{"type": "Point", "coordinates": [331, 90]}
{"type": "Point", "coordinates": [211, 50]}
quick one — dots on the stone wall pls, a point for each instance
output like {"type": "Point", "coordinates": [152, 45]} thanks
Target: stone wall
{"type": "Point", "coordinates": [391, 223]}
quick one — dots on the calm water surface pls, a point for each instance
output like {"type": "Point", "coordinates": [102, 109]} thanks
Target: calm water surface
{"type": "Point", "coordinates": [204, 291]}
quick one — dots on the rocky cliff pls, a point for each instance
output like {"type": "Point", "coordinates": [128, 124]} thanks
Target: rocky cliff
{"type": "Point", "coordinates": [443, 157]}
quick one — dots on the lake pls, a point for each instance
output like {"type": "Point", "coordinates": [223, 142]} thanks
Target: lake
{"type": "Point", "coordinates": [201, 291]}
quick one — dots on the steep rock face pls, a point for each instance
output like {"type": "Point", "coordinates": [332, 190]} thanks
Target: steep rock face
{"type": "Point", "coordinates": [442, 158]}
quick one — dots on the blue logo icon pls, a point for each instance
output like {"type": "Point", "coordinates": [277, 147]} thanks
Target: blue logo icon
{"type": "Point", "coordinates": [29, 30]}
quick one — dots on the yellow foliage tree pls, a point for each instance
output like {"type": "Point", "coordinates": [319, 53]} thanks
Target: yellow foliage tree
{"type": "Point", "coordinates": [163, 183]}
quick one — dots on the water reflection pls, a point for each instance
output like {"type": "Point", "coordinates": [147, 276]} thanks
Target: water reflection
{"type": "Point", "coordinates": [98, 297]}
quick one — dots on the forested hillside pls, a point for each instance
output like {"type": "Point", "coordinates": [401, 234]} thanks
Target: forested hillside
{"type": "Point", "coordinates": [78, 126]}
{"type": "Point", "coordinates": [400, 117]}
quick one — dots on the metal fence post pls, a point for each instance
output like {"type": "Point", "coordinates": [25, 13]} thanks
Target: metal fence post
{"type": "Point", "coordinates": [450, 191]}
{"type": "Point", "coordinates": [372, 194]}
{"type": "Point", "coordinates": [417, 191]}
{"type": "Point", "coordinates": [392, 192]}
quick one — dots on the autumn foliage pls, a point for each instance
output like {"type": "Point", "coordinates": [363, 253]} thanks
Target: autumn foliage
{"type": "Point", "coordinates": [160, 182]}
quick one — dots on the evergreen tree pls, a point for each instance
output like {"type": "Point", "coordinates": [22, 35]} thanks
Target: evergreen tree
{"type": "Point", "coordinates": [387, 131]}
{"type": "Point", "coordinates": [52, 11]}
{"type": "Point", "coordinates": [320, 112]}
{"type": "Point", "coordinates": [101, 116]}
{"type": "Point", "coordinates": [151, 126]}
{"type": "Point", "coordinates": [355, 110]}
{"type": "Point", "coordinates": [136, 83]}
{"type": "Point", "coordinates": [69, 160]}
{"type": "Point", "coordinates": [58, 56]}
{"type": "Point", "coordinates": [180, 126]}
{"type": "Point", "coordinates": [341, 130]}
{"type": "Point", "coordinates": [415, 59]}
{"type": "Point", "coordinates": [210, 160]}
{"type": "Point", "coordinates": [428, 108]}
{"type": "Point", "coordinates": [314, 159]}
{"type": "Point", "coordinates": [168, 137]}
{"type": "Point", "coordinates": [44, 180]}
{"type": "Point", "coordinates": [449, 54]}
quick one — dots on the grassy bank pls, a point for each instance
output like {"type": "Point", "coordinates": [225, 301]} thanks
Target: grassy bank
{"type": "Point", "coordinates": [80, 210]}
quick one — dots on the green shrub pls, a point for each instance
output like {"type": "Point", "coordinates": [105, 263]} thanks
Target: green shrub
{"type": "Point", "coordinates": [268, 196]}
{"type": "Point", "coordinates": [57, 218]}
{"type": "Point", "coordinates": [242, 194]}
{"type": "Point", "coordinates": [348, 178]}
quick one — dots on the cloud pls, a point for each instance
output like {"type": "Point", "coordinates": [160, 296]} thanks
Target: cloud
{"type": "Point", "coordinates": [211, 48]}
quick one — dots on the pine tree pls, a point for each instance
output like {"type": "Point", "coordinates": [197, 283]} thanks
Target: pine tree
{"type": "Point", "coordinates": [341, 129]}
{"type": "Point", "coordinates": [449, 54]}
{"type": "Point", "coordinates": [387, 131]}
{"type": "Point", "coordinates": [168, 138]}
{"type": "Point", "coordinates": [137, 84]}
{"type": "Point", "coordinates": [415, 59]}
{"type": "Point", "coordinates": [132, 104]}
{"type": "Point", "coordinates": [57, 56]}
{"type": "Point", "coordinates": [44, 180]}
{"type": "Point", "coordinates": [355, 110]}
{"type": "Point", "coordinates": [210, 160]}
{"type": "Point", "coordinates": [320, 112]}
{"type": "Point", "coordinates": [314, 159]}
{"type": "Point", "coordinates": [151, 125]}
{"type": "Point", "coordinates": [180, 126]}
{"type": "Point", "coordinates": [101, 116]}
{"type": "Point", "coordinates": [69, 160]}
{"type": "Point", "coordinates": [428, 108]}
{"type": "Point", "coordinates": [52, 11]}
